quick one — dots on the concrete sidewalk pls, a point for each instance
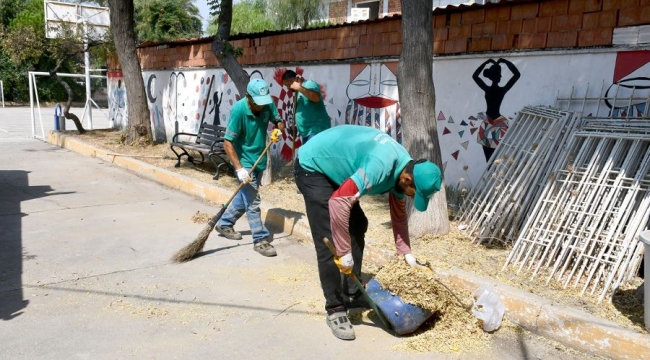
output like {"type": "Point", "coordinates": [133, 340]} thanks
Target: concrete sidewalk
{"type": "Point", "coordinates": [571, 327]}
{"type": "Point", "coordinates": [84, 273]}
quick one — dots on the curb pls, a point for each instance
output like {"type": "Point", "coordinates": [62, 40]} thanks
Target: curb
{"type": "Point", "coordinates": [570, 327]}
{"type": "Point", "coordinates": [275, 218]}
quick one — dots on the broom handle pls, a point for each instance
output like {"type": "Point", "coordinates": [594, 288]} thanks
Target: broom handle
{"type": "Point", "coordinates": [333, 250]}
{"type": "Point", "coordinates": [293, 126]}
{"type": "Point", "coordinates": [225, 205]}
{"type": "Point", "coordinates": [361, 288]}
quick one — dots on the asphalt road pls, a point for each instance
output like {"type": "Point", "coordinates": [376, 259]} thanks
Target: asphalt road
{"type": "Point", "coordinates": [84, 274]}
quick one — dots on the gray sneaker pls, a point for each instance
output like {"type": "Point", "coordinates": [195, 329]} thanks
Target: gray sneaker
{"type": "Point", "coordinates": [265, 248]}
{"type": "Point", "coordinates": [341, 326]}
{"type": "Point", "coordinates": [228, 232]}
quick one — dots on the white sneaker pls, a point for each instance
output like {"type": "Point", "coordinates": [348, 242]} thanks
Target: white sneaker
{"type": "Point", "coordinates": [341, 326]}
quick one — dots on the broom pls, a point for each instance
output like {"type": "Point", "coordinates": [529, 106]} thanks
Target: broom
{"type": "Point", "coordinates": [190, 250]}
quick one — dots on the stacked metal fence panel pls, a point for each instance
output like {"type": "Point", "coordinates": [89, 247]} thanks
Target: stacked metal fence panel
{"type": "Point", "coordinates": [496, 208]}
{"type": "Point", "coordinates": [583, 229]}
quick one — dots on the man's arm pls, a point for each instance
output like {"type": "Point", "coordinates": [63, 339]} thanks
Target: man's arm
{"type": "Point", "coordinates": [232, 154]}
{"type": "Point", "coordinates": [340, 206]}
{"type": "Point", "coordinates": [277, 120]}
{"type": "Point", "coordinates": [400, 223]}
{"type": "Point", "coordinates": [312, 95]}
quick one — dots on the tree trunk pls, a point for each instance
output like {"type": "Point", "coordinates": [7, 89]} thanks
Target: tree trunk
{"type": "Point", "coordinates": [225, 54]}
{"type": "Point", "coordinates": [417, 101]}
{"type": "Point", "coordinates": [123, 27]}
{"type": "Point", "coordinates": [68, 103]}
{"type": "Point", "coordinates": [224, 51]}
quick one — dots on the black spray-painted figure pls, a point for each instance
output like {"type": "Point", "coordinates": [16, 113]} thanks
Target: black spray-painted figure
{"type": "Point", "coordinates": [494, 125]}
{"type": "Point", "coordinates": [216, 101]}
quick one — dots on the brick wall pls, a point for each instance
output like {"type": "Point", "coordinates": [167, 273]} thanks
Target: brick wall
{"type": "Point", "coordinates": [394, 7]}
{"type": "Point", "coordinates": [338, 12]}
{"type": "Point", "coordinates": [544, 24]}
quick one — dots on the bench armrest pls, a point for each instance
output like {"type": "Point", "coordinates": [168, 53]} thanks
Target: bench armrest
{"type": "Point", "coordinates": [217, 144]}
{"type": "Point", "coordinates": [182, 133]}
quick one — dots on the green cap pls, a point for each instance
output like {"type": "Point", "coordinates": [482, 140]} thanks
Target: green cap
{"type": "Point", "coordinates": [427, 178]}
{"type": "Point", "coordinates": [259, 91]}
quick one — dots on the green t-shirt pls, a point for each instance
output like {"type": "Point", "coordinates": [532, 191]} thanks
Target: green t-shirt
{"type": "Point", "coordinates": [371, 158]}
{"type": "Point", "coordinates": [247, 132]}
{"type": "Point", "coordinates": [311, 117]}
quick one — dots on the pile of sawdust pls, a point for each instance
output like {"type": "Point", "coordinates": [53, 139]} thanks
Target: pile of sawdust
{"type": "Point", "coordinates": [148, 310]}
{"type": "Point", "coordinates": [291, 273]}
{"type": "Point", "coordinates": [201, 217]}
{"type": "Point", "coordinates": [452, 328]}
{"type": "Point", "coordinates": [415, 286]}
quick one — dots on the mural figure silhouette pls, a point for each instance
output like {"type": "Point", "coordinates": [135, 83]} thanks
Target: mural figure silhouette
{"type": "Point", "coordinates": [493, 126]}
{"type": "Point", "coordinates": [216, 101]}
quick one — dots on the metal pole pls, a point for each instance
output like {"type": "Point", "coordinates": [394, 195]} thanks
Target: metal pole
{"type": "Point", "coordinates": [2, 92]}
{"type": "Point", "coordinates": [87, 64]}
{"type": "Point", "coordinates": [644, 237]}
{"type": "Point", "coordinates": [31, 100]}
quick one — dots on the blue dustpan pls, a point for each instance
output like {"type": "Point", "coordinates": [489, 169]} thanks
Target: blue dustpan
{"type": "Point", "coordinates": [404, 318]}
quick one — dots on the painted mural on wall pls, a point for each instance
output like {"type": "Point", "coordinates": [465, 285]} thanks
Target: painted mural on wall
{"type": "Point", "coordinates": [373, 98]}
{"type": "Point", "coordinates": [364, 94]}
{"type": "Point", "coordinates": [285, 102]}
{"type": "Point", "coordinates": [117, 112]}
{"type": "Point", "coordinates": [493, 126]}
{"type": "Point", "coordinates": [630, 88]}
{"type": "Point", "coordinates": [476, 98]}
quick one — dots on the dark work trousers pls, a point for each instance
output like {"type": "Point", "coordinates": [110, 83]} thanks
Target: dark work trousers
{"type": "Point", "coordinates": [317, 189]}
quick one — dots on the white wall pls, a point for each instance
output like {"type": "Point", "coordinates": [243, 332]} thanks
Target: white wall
{"type": "Point", "coordinates": [366, 94]}
{"type": "Point", "coordinates": [459, 100]}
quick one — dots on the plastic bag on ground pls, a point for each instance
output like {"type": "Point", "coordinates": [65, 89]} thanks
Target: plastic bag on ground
{"type": "Point", "coordinates": [488, 307]}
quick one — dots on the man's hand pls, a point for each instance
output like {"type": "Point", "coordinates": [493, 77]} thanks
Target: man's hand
{"type": "Point", "coordinates": [243, 175]}
{"type": "Point", "coordinates": [276, 134]}
{"type": "Point", "coordinates": [296, 85]}
{"type": "Point", "coordinates": [344, 263]}
{"type": "Point", "coordinates": [411, 260]}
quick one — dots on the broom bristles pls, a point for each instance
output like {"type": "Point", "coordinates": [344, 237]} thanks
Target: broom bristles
{"type": "Point", "coordinates": [195, 247]}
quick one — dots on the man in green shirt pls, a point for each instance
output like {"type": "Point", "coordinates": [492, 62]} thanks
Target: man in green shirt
{"type": "Point", "coordinates": [245, 140]}
{"type": "Point", "coordinates": [311, 116]}
{"type": "Point", "coordinates": [333, 171]}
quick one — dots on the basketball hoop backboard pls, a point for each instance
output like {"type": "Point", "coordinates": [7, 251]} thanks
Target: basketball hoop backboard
{"type": "Point", "coordinates": [60, 14]}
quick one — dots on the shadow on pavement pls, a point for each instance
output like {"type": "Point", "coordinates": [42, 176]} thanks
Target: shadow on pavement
{"type": "Point", "coordinates": [280, 214]}
{"type": "Point", "coordinates": [14, 189]}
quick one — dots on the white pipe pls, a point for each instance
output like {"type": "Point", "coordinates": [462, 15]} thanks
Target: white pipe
{"type": "Point", "coordinates": [68, 75]}
{"type": "Point", "coordinates": [31, 100]}
{"type": "Point", "coordinates": [87, 70]}
{"type": "Point", "coordinates": [38, 106]}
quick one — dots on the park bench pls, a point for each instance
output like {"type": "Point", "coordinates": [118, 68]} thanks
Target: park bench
{"type": "Point", "coordinates": [208, 142]}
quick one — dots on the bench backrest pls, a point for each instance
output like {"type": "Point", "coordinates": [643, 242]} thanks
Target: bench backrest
{"type": "Point", "coordinates": [208, 134]}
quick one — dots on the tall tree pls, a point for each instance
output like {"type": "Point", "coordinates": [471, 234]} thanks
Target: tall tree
{"type": "Point", "coordinates": [417, 101]}
{"type": "Point", "coordinates": [162, 20]}
{"type": "Point", "coordinates": [24, 42]}
{"type": "Point", "coordinates": [290, 14]}
{"type": "Point", "coordinates": [248, 16]}
{"type": "Point", "coordinates": [222, 49]}
{"type": "Point", "coordinates": [9, 9]}
{"type": "Point", "coordinates": [123, 28]}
